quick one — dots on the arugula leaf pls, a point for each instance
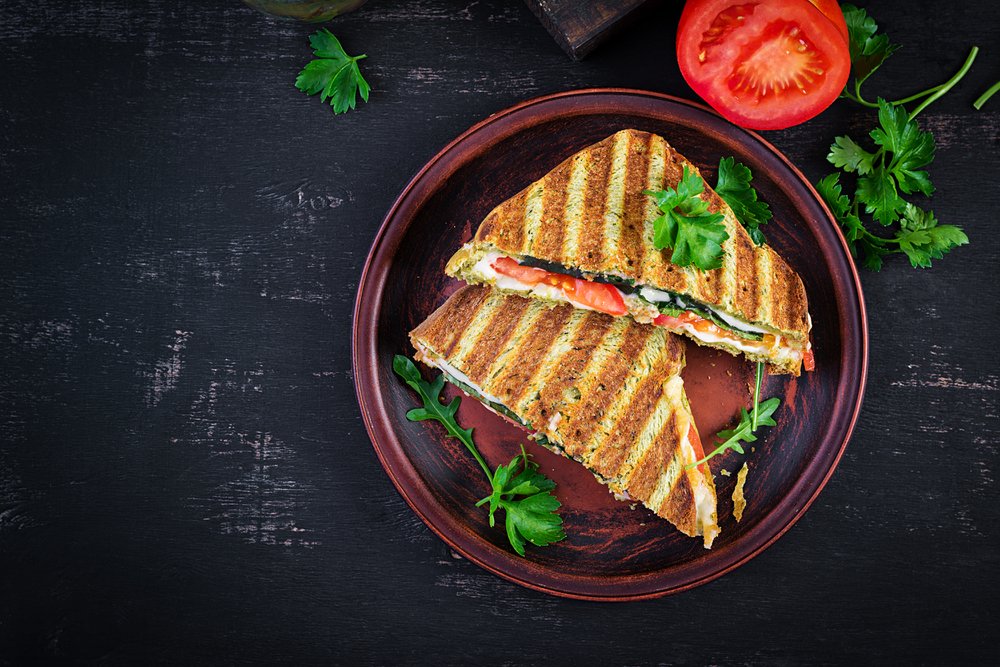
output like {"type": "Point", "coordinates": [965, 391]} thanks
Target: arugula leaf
{"type": "Point", "coordinates": [744, 431]}
{"type": "Point", "coordinates": [868, 49]}
{"type": "Point", "coordinates": [733, 185]}
{"type": "Point", "coordinates": [923, 239]}
{"type": "Point", "coordinates": [695, 235]}
{"type": "Point", "coordinates": [529, 518]}
{"type": "Point", "coordinates": [334, 75]}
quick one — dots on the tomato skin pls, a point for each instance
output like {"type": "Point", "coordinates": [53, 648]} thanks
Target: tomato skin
{"type": "Point", "coordinates": [598, 296]}
{"type": "Point", "coordinates": [528, 275]}
{"type": "Point", "coordinates": [831, 10]}
{"type": "Point", "coordinates": [699, 450]}
{"type": "Point", "coordinates": [764, 64]}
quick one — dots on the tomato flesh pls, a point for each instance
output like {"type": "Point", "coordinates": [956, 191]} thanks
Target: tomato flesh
{"type": "Point", "coordinates": [767, 64]}
{"type": "Point", "coordinates": [809, 360]}
{"type": "Point", "coordinates": [597, 296]}
{"type": "Point", "coordinates": [699, 450]}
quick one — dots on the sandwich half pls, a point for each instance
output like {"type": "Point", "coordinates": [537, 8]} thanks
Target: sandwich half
{"type": "Point", "coordinates": [583, 234]}
{"type": "Point", "coordinates": [602, 390]}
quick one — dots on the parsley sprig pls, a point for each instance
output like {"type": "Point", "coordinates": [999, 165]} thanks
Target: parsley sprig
{"type": "Point", "coordinates": [333, 74]}
{"type": "Point", "coordinates": [893, 168]}
{"type": "Point", "coordinates": [759, 415]}
{"type": "Point", "coordinates": [733, 185]}
{"type": "Point", "coordinates": [523, 493]}
{"type": "Point", "coordinates": [695, 235]}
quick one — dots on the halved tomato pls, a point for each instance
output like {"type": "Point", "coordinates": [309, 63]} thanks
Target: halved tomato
{"type": "Point", "coordinates": [598, 296]}
{"type": "Point", "coordinates": [831, 10]}
{"type": "Point", "coordinates": [764, 64]}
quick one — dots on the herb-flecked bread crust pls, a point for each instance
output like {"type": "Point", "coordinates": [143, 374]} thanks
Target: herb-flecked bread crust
{"type": "Point", "coordinates": [589, 213]}
{"type": "Point", "coordinates": [605, 391]}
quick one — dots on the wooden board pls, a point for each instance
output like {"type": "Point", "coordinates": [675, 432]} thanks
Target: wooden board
{"type": "Point", "coordinates": [579, 26]}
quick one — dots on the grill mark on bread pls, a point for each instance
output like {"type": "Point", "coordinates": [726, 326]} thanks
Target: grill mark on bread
{"type": "Point", "coordinates": [787, 296]}
{"type": "Point", "coordinates": [614, 203]}
{"type": "Point", "coordinates": [534, 320]}
{"type": "Point", "coordinates": [576, 191]}
{"type": "Point", "coordinates": [778, 302]}
{"type": "Point", "coordinates": [558, 391]}
{"type": "Point", "coordinates": [533, 211]}
{"type": "Point", "coordinates": [505, 320]}
{"type": "Point", "coordinates": [607, 384]}
{"type": "Point", "coordinates": [514, 380]}
{"type": "Point", "coordinates": [563, 343]}
{"type": "Point", "coordinates": [442, 334]}
{"type": "Point", "coordinates": [746, 296]}
{"type": "Point", "coordinates": [656, 459]}
{"type": "Point", "coordinates": [477, 327]}
{"type": "Point", "coordinates": [764, 283]}
{"type": "Point", "coordinates": [548, 241]}
{"type": "Point", "coordinates": [552, 361]}
{"type": "Point", "coordinates": [609, 458]}
{"type": "Point", "coordinates": [590, 247]}
{"type": "Point", "coordinates": [636, 208]}
{"type": "Point", "coordinates": [679, 505]}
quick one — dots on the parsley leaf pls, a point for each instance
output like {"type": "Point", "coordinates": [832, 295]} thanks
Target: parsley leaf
{"type": "Point", "coordinates": [868, 49]}
{"type": "Point", "coordinates": [877, 192]}
{"type": "Point", "coordinates": [334, 74]}
{"type": "Point", "coordinates": [923, 239]}
{"type": "Point", "coordinates": [531, 518]}
{"type": "Point", "coordinates": [911, 148]}
{"type": "Point", "coordinates": [695, 235]}
{"type": "Point", "coordinates": [733, 185]}
{"type": "Point", "coordinates": [524, 496]}
{"type": "Point", "coordinates": [849, 156]}
{"type": "Point", "coordinates": [894, 168]}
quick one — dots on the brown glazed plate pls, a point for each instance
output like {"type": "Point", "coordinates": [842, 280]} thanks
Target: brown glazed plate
{"type": "Point", "coordinates": [612, 551]}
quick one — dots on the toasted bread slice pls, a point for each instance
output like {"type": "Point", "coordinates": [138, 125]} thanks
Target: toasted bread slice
{"type": "Point", "coordinates": [590, 216]}
{"type": "Point", "coordinates": [604, 391]}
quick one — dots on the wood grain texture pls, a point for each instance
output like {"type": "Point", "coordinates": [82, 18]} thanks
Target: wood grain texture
{"type": "Point", "coordinates": [210, 496]}
{"type": "Point", "coordinates": [580, 26]}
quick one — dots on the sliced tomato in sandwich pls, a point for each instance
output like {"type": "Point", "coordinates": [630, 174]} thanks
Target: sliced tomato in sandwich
{"type": "Point", "coordinates": [585, 293]}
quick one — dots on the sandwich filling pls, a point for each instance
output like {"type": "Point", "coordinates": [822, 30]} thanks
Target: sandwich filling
{"type": "Point", "coordinates": [704, 496]}
{"type": "Point", "coordinates": [617, 296]}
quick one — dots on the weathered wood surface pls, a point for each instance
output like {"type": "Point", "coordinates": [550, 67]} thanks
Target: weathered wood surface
{"type": "Point", "coordinates": [580, 26]}
{"type": "Point", "coordinates": [184, 476]}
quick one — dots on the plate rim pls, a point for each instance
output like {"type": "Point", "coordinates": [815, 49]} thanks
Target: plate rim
{"type": "Point", "coordinates": [363, 321]}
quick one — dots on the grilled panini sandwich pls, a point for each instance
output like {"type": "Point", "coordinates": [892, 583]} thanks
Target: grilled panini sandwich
{"type": "Point", "coordinates": [584, 234]}
{"type": "Point", "coordinates": [602, 390]}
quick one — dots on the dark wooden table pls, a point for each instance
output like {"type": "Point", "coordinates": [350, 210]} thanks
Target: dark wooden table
{"type": "Point", "coordinates": [184, 475]}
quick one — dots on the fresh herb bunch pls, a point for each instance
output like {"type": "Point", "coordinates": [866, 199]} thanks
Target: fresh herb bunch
{"type": "Point", "coordinates": [695, 235]}
{"type": "Point", "coordinates": [733, 185]}
{"type": "Point", "coordinates": [333, 74]}
{"type": "Point", "coordinates": [759, 415]}
{"type": "Point", "coordinates": [524, 495]}
{"type": "Point", "coordinates": [895, 166]}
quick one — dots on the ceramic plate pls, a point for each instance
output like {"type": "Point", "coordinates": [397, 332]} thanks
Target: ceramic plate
{"type": "Point", "coordinates": [612, 551]}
